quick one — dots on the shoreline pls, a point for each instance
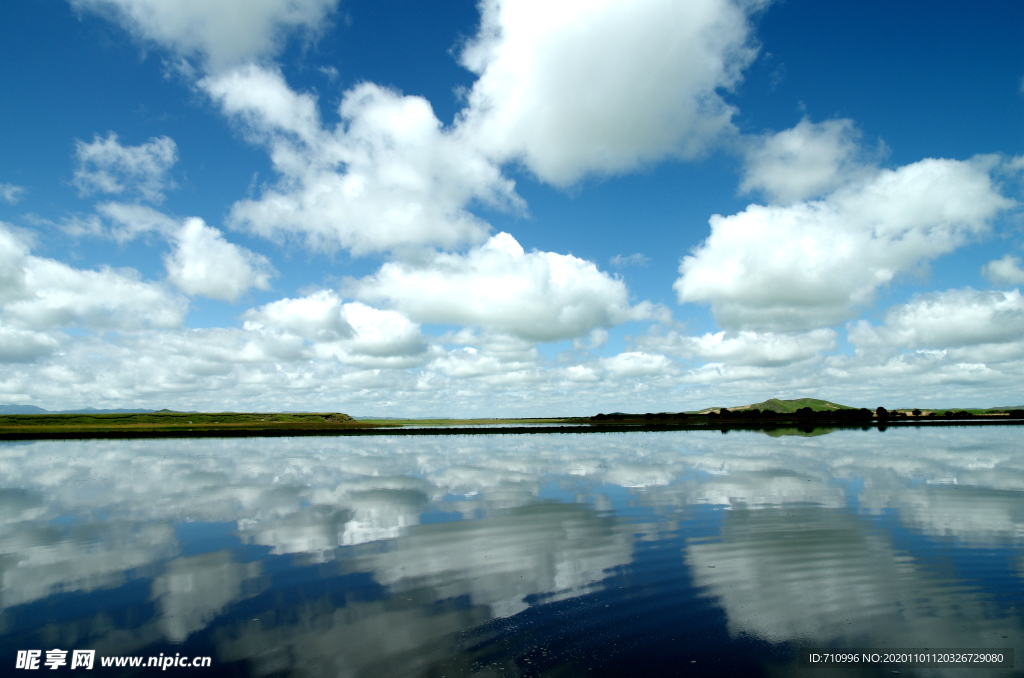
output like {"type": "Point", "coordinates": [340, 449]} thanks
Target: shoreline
{"type": "Point", "coordinates": [806, 426]}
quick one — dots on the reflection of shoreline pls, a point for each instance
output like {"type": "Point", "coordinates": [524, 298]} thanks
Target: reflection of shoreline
{"type": "Point", "coordinates": [12, 434]}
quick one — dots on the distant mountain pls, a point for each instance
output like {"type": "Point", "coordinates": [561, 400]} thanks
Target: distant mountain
{"type": "Point", "coordinates": [788, 406]}
{"type": "Point", "coordinates": [32, 409]}
{"type": "Point", "coordinates": [22, 409]}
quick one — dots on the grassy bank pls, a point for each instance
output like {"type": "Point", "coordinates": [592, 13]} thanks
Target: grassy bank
{"type": "Point", "coordinates": [234, 424]}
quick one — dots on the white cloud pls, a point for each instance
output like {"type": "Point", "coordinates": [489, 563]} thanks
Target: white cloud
{"type": "Point", "coordinates": [378, 333]}
{"type": "Point", "coordinates": [13, 253]}
{"type": "Point", "coordinates": [811, 264]}
{"type": "Point", "coordinates": [577, 87]}
{"type": "Point", "coordinates": [597, 338]}
{"type": "Point", "coordinates": [204, 263]}
{"type": "Point", "coordinates": [10, 193]}
{"type": "Point", "coordinates": [318, 317]}
{"type": "Point", "coordinates": [388, 176]}
{"type": "Point", "coordinates": [132, 221]}
{"type": "Point", "coordinates": [762, 349]}
{"type": "Point", "coordinates": [201, 261]}
{"type": "Point", "coordinates": [40, 294]}
{"type": "Point", "coordinates": [469, 362]}
{"type": "Point", "coordinates": [19, 345]}
{"type": "Point", "coordinates": [350, 332]}
{"type": "Point", "coordinates": [638, 364]}
{"type": "Point", "coordinates": [540, 296]}
{"type": "Point", "coordinates": [221, 33]}
{"type": "Point", "coordinates": [104, 299]}
{"type": "Point", "coordinates": [803, 162]}
{"type": "Point", "coordinates": [105, 166]}
{"type": "Point", "coordinates": [950, 319]}
{"type": "Point", "coordinates": [1005, 271]}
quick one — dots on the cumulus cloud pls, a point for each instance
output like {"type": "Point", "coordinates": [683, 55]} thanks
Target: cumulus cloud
{"type": "Point", "coordinates": [204, 263]}
{"type": "Point", "coordinates": [10, 193]}
{"type": "Point", "coordinates": [540, 296]}
{"type": "Point", "coordinates": [350, 332]}
{"type": "Point", "coordinates": [810, 264]}
{"type": "Point", "coordinates": [803, 162]}
{"type": "Point", "coordinates": [638, 364]}
{"type": "Point", "coordinates": [40, 294]}
{"type": "Point", "coordinates": [387, 176]}
{"type": "Point", "coordinates": [950, 319]}
{"type": "Point", "coordinates": [319, 317]}
{"type": "Point", "coordinates": [1005, 271]}
{"type": "Point", "coordinates": [220, 33]}
{"type": "Point", "coordinates": [201, 261]}
{"type": "Point", "coordinates": [105, 166]}
{"type": "Point", "coordinates": [602, 87]}
{"type": "Point", "coordinates": [762, 349]}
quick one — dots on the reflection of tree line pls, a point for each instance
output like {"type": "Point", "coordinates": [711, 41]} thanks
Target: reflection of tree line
{"type": "Point", "coordinates": [801, 418]}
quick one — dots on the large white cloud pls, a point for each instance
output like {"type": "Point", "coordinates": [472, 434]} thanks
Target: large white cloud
{"type": "Point", "coordinates": [574, 88]}
{"type": "Point", "coordinates": [105, 166]}
{"type": "Point", "coordinates": [387, 176]}
{"type": "Point", "coordinates": [811, 264]}
{"type": "Point", "coordinates": [540, 296]}
{"type": "Point", "coordinates": [220, 33]}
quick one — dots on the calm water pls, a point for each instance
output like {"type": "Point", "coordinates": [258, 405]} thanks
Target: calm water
{"type": "Point", "coordinates": [646, 554]}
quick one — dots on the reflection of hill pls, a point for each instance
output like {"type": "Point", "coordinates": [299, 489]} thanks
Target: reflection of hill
{"type": "Point", "coordinates": [812, 433]}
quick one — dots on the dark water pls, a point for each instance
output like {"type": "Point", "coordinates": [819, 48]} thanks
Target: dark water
{"type": "Point", "coordinates": [644, 554]}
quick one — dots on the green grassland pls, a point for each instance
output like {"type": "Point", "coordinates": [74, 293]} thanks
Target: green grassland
{"type": "Point", "coordinates": [195, 424]}
{"type": "Point", "coordinates": [94, 425]}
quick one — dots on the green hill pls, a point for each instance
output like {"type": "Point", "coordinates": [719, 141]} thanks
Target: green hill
{"type": "Point", "coordinates": [787, 406]}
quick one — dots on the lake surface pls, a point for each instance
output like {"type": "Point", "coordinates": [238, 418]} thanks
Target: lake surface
{"type": "Point", "coordinates": [645, 554]}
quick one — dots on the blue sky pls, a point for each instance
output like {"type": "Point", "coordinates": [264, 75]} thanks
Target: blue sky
{"type": "Point", "coordinates": [524, 208]}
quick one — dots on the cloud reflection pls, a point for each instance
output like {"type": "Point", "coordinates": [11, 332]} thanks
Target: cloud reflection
{"type": "Point", "coordinates": [800, 553]}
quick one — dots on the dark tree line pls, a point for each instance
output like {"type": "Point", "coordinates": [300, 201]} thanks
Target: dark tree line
{"type": "Point", "coordinates": [803, 414]}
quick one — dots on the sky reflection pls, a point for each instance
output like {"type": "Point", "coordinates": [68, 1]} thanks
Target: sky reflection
{"type": "Point", "coordinates": [402, 556]}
